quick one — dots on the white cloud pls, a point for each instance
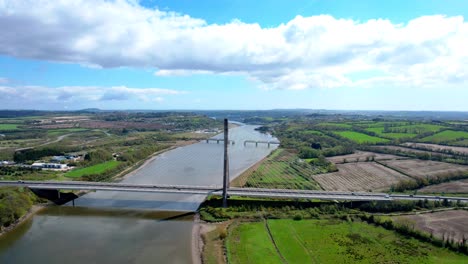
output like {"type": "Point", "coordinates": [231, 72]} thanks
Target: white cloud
{"type": "Point", "coordinates": [3, 80]}
{"type": "Point", "coordinates": [306, 52]}
{"type": "Point", "coordinates": [31, 95]}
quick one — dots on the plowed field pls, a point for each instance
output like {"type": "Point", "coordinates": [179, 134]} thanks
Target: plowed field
{"type": "Point", "coordinates": [452, 224]}
{"type": "Point", "coordinates": [425, 168]}
{"type": "Point", "coordinates": [360, 176]}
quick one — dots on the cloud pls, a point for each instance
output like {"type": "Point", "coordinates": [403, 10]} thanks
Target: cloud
{"type": "Point", "coordinates": [306, 52]}
{"type": "Point", "coordinates": [74, 95]}
{"type": "Point", "coordinates": [3, 80]}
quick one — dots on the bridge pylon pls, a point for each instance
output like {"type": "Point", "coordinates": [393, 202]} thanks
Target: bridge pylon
{"type": "Point", "coordinates": [226, 163]}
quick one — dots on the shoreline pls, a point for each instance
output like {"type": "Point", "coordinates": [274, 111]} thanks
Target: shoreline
{"type": "Point", "coordinates": [199, 229]}
{"type": "Point", "coordinates": [30, 213]}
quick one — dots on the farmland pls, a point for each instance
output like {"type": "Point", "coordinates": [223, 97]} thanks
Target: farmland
{"type": "Point", "coordinates": [437, 148]}
{"type": "Point", "coordinates": [126, 137]}
{"type": "Point", "coordinates": [446, 224]}
{"type": "Point", "coordinates": [406, 150]}
{"type": "Point", "coordinates": [8, 126]}
{"type": "Point", "coordinates": [327, 241]}
{"type": "Point", "coordinates": [95, 169]}
{"type": "Point", "coordinates": [447, 136]}
{"type": "Point", "coordinates": [380, 132]}
{"type": "Point", "coordinates": [460, 186]}
{"type": "Point", "coordinates": [360, 176]}
{"type": "Point", "coordinates": [362, 156]}
{"type": "Point", "coordinates": [360, 137]}
{"type": "Point", "coordinates": [423, 169]}
{"type": "Point", "coordinates": [282, 170]}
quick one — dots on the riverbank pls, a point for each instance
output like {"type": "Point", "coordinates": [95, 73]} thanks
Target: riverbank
{"type": "Point", "coordinates": [31, 212]}
{"type": "Point", "coordinates": [207, 238]}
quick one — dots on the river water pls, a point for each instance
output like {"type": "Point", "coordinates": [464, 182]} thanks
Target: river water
{"type": "Point", "coordinates": [120, 227]}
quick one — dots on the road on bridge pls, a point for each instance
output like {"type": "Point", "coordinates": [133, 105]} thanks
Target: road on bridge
{"type": "Point", "coordinates": [217, 190]}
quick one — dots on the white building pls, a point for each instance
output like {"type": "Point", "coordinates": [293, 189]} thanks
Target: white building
{"type": "Point", "coordinates": [48, 166]}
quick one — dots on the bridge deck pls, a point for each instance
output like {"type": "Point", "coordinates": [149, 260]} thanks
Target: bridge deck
{"type": "Point", "coordinates": [217, 190]}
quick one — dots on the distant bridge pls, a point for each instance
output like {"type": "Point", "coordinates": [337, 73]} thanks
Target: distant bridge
{"type": "Point", "coordinates": [219, 140]}
{"type": "Point", "coordinates": [261, 142]}
{"type": "Point", "coordinates": [217, 190]}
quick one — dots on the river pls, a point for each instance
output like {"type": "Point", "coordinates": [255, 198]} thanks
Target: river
{"type": "Point", "coordinates": [120, 227]}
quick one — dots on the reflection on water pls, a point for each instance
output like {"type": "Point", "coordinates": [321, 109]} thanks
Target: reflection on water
{"type": "Point", "coordinates": [93, 233]}
{"type": "Point", "coordinates": [84, 235]}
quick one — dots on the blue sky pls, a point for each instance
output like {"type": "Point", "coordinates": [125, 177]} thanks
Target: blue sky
{"type": "Point", "coordinates": [368, 55]}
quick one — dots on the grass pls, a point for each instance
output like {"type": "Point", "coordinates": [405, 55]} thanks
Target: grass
{"type": "Point", "coordinates": [360, 137]}
{"type": "Point", "coordinates": [379, 131]}
{"type": "Point", "coordinates": [421, 128]}
{"type": "Point", "coordinates": [95, 169]}
{"type": "Point", "coordinates": [8, 126]}
{"type": "Point", "coordinates": [446, 136]}
{"type": "Point", "coordinates": [330, 124]}
{"type": "Point", "coordinates": [250, 243]}
{"type": "Point", "coordinates": [371, 124]}
{"type": "Point", "coordinates": [213, 252]}
{"type": "Point", "coordinates": [56, 132]}
{"type": "Point", "coordinates": [329, 241]}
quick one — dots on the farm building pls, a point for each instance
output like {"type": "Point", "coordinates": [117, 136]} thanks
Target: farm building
{"type": "Point", "coordinates": [56, 166]}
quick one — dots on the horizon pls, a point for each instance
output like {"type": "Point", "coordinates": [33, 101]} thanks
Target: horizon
{"type": "Point", "coordinates": [158, 55]}
{"type": "Point", "coordinates": [234, 110]}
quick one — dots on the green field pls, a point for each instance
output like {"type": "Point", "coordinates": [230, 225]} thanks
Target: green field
{"type": "Point", "coordinates": [281, 170]}
{"type": "Point", "coordinates": [329, 241]}
{"type": "Point", "coordinates": [8, 126]}
{"type": "Point", "coordinates": [371, 124]}
{"type": "Point", "coordinates": [379, 131]}
{"type": "Point", "coordinates": [95, 169]}
{"type": "Point", "coordinates": [446, 136]}
{"type": "Point", "coordinates": [56, 132]}
{"type": "Point", "coordinates": [360, 137]}
{"type": "Point", "coordinates": [421, 128]}
{"type": "Point", "coordinates": [333, 125]}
